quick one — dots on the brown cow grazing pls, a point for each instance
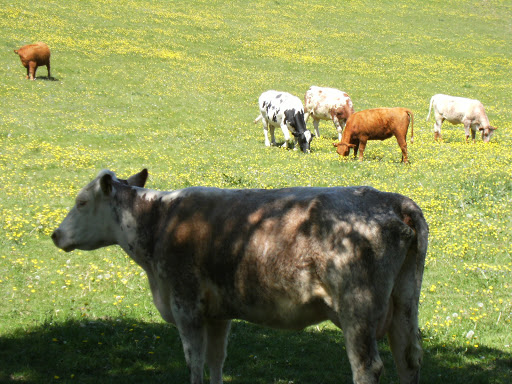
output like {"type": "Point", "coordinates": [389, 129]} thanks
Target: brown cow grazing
{"type": "Point", "coordinates": [285, 258]}
{"type": "Point", "coordinates": [33, 56]}
{"type": "Point", "coordinates": [376, 124]}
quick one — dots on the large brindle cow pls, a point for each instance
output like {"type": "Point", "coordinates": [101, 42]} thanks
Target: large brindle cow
{"type": "Point", "coordinates": [285, 258]}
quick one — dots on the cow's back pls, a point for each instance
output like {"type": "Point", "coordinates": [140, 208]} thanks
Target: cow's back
{"type": "Point", "coordinates": [373, 123]}
{"type": "Point", "coordinates": [320, 100]}
{"type": "Point", "coordinates": [38, 52]}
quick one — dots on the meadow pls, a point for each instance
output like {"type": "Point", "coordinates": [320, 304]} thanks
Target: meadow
{"type": "Point", "coordinates": [173, 86]}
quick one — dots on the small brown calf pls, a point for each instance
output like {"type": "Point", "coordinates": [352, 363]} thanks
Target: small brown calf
{"type": "Point", "coordinates": [33, 56]}
{"type": "Point", "coordinates": [376, 124]}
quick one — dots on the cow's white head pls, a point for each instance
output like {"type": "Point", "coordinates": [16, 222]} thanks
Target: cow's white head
{"type": "Point", "coordinates": [88, 225]}
{"type": "Point", "coordinates": [487, 133]}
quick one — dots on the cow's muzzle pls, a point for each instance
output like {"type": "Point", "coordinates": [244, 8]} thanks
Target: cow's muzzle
{"type": "Point", "coordinates": [57, 240]}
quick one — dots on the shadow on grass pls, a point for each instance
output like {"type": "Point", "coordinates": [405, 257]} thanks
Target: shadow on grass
{"type": "Point", "coordinates": [129, 351]}
{"type": "Point", "coordinates": [46, 78]}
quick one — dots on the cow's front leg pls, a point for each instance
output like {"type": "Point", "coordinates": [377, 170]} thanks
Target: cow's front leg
{"type": "Point", "coordinates": [286, 134]}
{"type": "Point", "coordinates": [467, 128]}
{"type": "Point", "coordinates": [192, 331]}
{"type": "Point", "coordinates": [272, 135]}
{"type": "Point", "coordinates": [473, 133]}
{"type": "Point", "coordinates": [217, 333]}
{"type": "Point", "coordinates": [362, 146]}
{"type": "Point", "coordinates": [339, 126]}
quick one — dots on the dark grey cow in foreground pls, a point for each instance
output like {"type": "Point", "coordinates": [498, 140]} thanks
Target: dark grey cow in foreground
{"type": "Point", "coordinates": [282, 109]}
{"type": "Point", "coordinates": [285, 258]}
{"type": "Point", "coordinates": [459, 110]}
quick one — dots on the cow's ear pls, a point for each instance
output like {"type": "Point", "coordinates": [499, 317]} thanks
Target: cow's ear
{"type": "Point", "coordinates": [106, 184]}
{"type": "Point", "coordinates": [335, 144]}
{"type": "Point", "coordinates": [139, 179]}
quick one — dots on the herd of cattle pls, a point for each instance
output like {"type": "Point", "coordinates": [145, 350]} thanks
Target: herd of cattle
{"type": "Point", "coordinates": [281, 109]}
{"type": "Point", "coordinates": [285, 258]}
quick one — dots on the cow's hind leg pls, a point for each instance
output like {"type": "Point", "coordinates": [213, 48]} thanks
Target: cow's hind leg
{"type": "Point", "coordinates": [437, 127]}
{"type": "Point", "coordinates": [217, 333]}
{"type": "Point", "coordinates": [402, 143]}
{"type": "Point", "coordinates": [316, 126]}
{"type": "Point", "coordinates": [362, 351]}
{"type": "Point", "coordinates": [404, 337]}
{"type": "Point", "coordinates": [265, 132]}
{"type": "Point", "coordinates": [32, 70]}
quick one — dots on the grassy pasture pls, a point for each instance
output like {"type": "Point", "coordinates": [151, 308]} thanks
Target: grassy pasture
{"type": "Point", "coordinates": [173, 86]}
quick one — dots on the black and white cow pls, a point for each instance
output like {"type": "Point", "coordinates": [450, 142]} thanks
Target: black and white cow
{"type": "Point", "coordinates": [282, 109]}
{"type": "Point", "coordinates": [285, 258]}
{"type": "Point", "coordinates": [460, 110]}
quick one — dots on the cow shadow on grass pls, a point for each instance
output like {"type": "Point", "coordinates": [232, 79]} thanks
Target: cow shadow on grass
{"type": "Point", "coordinates": [129, 351]}
{"type": "Point", "coordinates": [46, 78]}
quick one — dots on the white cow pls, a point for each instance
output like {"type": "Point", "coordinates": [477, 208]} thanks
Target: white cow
{"type": "Point", "coordinates": [285, 258]}
{"type": "Point", "coordinates": [324, 103]}
{"type": "Point", "coordinates": [459, 110]}
{"type": "Point", "coordinates": [282, 109]}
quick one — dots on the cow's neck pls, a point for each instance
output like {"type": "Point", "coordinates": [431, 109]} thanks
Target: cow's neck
{"type": "Point", "coordinates": [138, 215]}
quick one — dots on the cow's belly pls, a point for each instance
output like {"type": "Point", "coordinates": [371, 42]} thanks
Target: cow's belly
{"type": "Point", "coordinates": [294, 309]}
{"type": "Point", "coordinates": [321, 115]}
{"type": "Point", "coordinates": [456, 118]}
{"type": "Point", "coordinates": [286, 315]}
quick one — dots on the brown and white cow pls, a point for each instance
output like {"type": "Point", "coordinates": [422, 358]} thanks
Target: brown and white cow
{"type": "Point", "coordinates": [284, 258]}
{"type": "Point", "coordinates": [33, 56]}
{"type": "Point", "coordinates": [322, 103]}
{"type": "Point", "coordinates": [459, 110]}
{"type": "Point", "coordinates": [376, 124]}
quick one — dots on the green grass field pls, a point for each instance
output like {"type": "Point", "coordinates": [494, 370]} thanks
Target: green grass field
{"type": "Point", "coordinates": [173, 86]}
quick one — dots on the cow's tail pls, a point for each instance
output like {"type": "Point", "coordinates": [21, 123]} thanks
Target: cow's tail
{"type": "Point", "coordinates": [430, 107]}
{"type": "Point", "coordinates": [258, 119]}
{"type": "Point", "coordinates": [420, 227]}
{"type": "Point", "coordinates": [411, 122]}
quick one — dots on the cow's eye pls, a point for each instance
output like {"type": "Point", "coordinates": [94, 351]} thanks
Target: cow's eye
{"type": "Point", "coordinates": [81, 203]}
